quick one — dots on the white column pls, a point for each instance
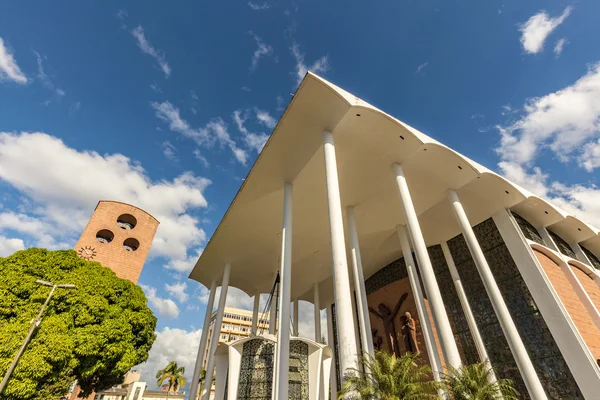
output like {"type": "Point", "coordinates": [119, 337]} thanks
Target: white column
{"type": "Point", "coordinates": [331, 343]}
{"type": "Point", "coordinates": [317, 305]}
{"type": "Point", "coordinates": [285, 273]}
{"type": "Point", "coordinates": [359, 284]}
{"type": "Point", "coordinates": [438, 311]}
{"type": "Point", "coordinates": [415, 284]}
{"type": "Point", "coordinates": [203, 339]}
{"type": "Point", "coordinates": [210, 368]}
{"type": "Point", "coordinates": [273, 310]}
{"type": "Point", "coordinates": [255, 324]}
{"type": "Point", "coordinates": [341, 280]}
{"type": "Point", "coordinates": [530, 377]}
{"type": "Point", "coordinates": [464, 302]}
{"type": "Point", "coordinates": [296, 319]}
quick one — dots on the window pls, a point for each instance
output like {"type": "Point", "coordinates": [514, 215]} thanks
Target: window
{"type": "Point", "coordinates": [131, 244]}
{"type": "Point", "coordinates": [105, 236]}
{"type": "Point", "coordinates": [126, 221]}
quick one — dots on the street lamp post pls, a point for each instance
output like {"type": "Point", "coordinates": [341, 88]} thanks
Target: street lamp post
{"type": "Point", "coordinates": [36, 322]}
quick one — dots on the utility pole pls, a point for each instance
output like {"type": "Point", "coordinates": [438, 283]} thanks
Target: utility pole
{"type": "Point", "coordinates": [36, 322]}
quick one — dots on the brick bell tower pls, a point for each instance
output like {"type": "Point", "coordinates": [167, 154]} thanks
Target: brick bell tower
{"type": "Point", "coordinates": [119, 237]}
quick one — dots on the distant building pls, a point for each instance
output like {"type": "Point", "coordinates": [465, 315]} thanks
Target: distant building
{"type": "Point", "coordinates": [237, 324]}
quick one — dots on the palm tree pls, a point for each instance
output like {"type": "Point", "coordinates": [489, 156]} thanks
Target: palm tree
{"type": "Point", "coordinates": [202, 379]}
{"type": "Point", "coordinates": [174, 374]}
{"type": "Point", "coordinates": [390, 378]}
{"type": "Point", "coordinates": [472, 382]}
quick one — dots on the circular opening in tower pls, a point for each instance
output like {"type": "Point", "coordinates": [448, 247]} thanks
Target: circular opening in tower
{"type": "Point", "coordinates": [105, 236]}
{"type": "Point", "coordinates": [127, 222]}
{"type": "Point", "coordinates": [131, 244]}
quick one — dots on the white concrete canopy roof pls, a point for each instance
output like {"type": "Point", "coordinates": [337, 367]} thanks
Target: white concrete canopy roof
{"type": "Point", "coordinates": [367, 143]}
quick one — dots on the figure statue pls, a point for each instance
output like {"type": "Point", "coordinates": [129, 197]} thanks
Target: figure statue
{"type": "Point", "coordinates": [387, 317]}
{"type": "Point", "coordinates": [410, 333]}
{"type": "Point", "coordinates": [377, 340]}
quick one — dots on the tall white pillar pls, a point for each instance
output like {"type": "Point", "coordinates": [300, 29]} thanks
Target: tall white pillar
{"type": "Point", "coordinates": [530, 377]}
{"type": "Point", "coordinates": [464, 302]}
{"type": "Point", "coordinates": [438, 311]}
{"type": "Point", "coordinates": [273, 310]}
{"type": "Point", "coordinates": [285, 284]}
{"type": "Point", "coordinates": [341, 280]}
{"type": "Point", "coordinates": [296, 316]}
{"type": "Point", "coordinates": [317, 305]}
{"type": "Point", "coordinates": [359, 285]}
{"type": "Point", "coordinates": [331, 343]}
{"type": "Point", "coordinates": [255, 321]}
{"type": "Point", "coordinates": [210, 368]}
{"type": "Point", "coordinates": [415, 285]}
{"type": "Point", "coordinates": [203, 339]}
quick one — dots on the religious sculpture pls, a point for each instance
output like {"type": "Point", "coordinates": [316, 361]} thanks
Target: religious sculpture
{"type": "Point", "coordinates": [387, 317]}
{"type": "Point", "coordinates": [410, 333]}
{"type": "Point", "coordinates": [377, 340]}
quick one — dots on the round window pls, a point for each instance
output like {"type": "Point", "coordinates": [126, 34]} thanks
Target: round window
{"type": "Point", "coordinates": [131, 244]}
{"type": "Point", "coordinates": [105, 236]}
{"type": "Point", "coordinates": [126, 221]}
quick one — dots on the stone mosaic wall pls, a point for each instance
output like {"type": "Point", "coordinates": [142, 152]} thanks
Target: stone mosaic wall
{"type": "Point", "coordinates": [593, 259]}
{"type": "Point", "coordinates": [528, 230]}
{"type": "Point", "coordinates": [458, 321]}
{"type": "Point", "coordinates": [298, 381]}
{"type": "Point", "coordinates": [256, 370]}
{"type": "Point", "coordinates": [547, 359]}
{"type": "Point", "coordinates": [562, 245]}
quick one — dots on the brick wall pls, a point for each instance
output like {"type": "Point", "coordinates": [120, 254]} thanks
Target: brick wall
{"type": "Point", "coordinates": [569, 298]}
{"type": "Point", "coordinates": [126, 264]}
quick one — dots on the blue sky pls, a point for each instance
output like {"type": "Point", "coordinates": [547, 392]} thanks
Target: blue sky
{"type": "Point", "coordinates": [166, 104]}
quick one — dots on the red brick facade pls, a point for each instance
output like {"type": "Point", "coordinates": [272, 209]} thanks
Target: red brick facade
{"type": "Point", "coordinates": [583, 321]}
{"type": "Point", "coordinates": [112, 254]}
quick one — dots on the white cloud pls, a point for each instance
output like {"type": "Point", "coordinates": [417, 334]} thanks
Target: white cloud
{"type": "Point", "coordinates": [255, 141]}
{"type": "Point", "coordinates": [171, 344]}
{"type": "Point", "coordinates": [9, 245]}
{"type": "Point", "coordinates": [580, 200]}
{"type": "Point", "coordinates": [178, 291]}
{"type": "Point", "coordinates": [186, 264]}
{"type": "Point", "coordinates": [198, 155]}
{"type": "Point", "coordinates": [537, 28]}
{"type": "Point", "coordinates": [256, 6]}
{"type": "Point", "coordinates": [164, 307]}
{"type": "Point", "coordinates": [169, 150]}
{"type": "Point", "coordinates": [563, 121]}
{"type": "Point", "coordinates": [9, 70]}
{"type": "Point", "coordinates": [147, 48]}
{"type": "Point", "coordinates": [265, 118]}
{"type": "Point", "coordinates": [44, 78]}
{"type": "Point", "coordinates": [32, 226]}
{"type": "Point", "coordinates": [66, 193]}
{"type": "Point", "coordinates": [318, 67]}
{"type": "Point", "coordinates": [214, 131]}
{"type": "Point", "coordinates": [421, 67]}
{"type": "Point", "coordinates": [262, 49]}
{"type": "Point", "coordinates": [280, 104]}
{"type": "Point", "coordinates": [560, 45]}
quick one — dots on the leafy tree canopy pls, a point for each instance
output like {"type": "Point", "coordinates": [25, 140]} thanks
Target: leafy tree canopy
{"type": "Point", "coordinates": [95, 333]}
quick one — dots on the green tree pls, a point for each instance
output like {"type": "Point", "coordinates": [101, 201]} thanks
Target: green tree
{"type": "Point", "coordinates": [93, 334]}
{"type": "Point", "coordinates": [390, 378]}
{"type": "Point", "coordinates": [173, 374]}
{"type": "Point", "coordinates": [473, 382]}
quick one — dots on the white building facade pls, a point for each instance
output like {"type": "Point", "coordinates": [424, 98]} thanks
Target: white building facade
{"type": "Point", "coordinates": [388, 229]}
